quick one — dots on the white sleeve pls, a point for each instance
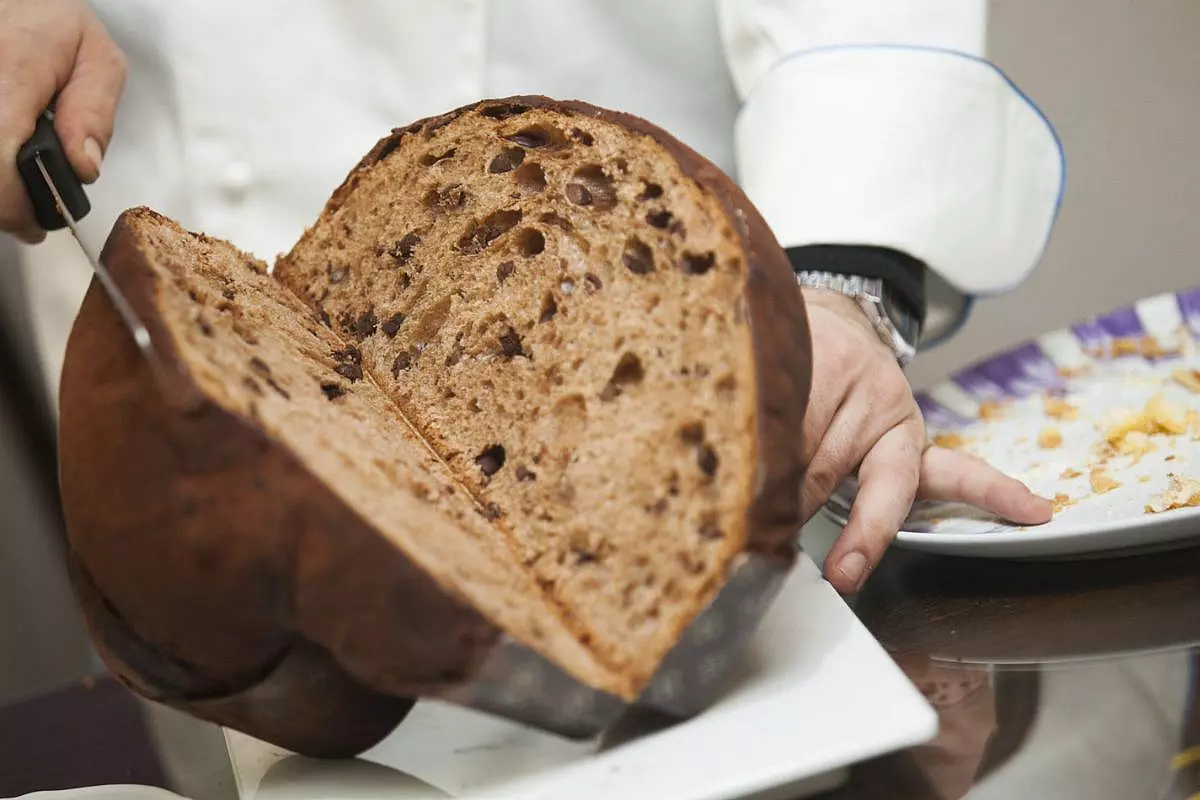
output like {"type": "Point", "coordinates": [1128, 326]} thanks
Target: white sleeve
{"type": "Point", "coordinates": [879, 122]}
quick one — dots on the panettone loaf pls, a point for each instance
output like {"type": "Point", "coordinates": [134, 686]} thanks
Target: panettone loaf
{"type": "Point", "coordinates": [537, 371]}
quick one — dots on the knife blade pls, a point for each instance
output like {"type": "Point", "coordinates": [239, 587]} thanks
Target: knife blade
{"type": "Point", "coordinates": [59, 201]}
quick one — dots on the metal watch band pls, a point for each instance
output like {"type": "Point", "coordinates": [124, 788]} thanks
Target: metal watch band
{"type": "Point", "coordinates": [899, 330]}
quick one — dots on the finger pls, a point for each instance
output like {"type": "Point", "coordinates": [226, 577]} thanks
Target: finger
{"type": "Point", "coordinates": [955, 477]}
{"type": "Point", "coordinates": [35, 61]}
{"type": "Point", "coordinates": [34, 235]}
{"type": "Point", "coordinates": [887, 483]}
{"type": "Point", "coordinates": [87, 105]}
{"type": "Point", "coordinates": [835, 456]}
{"type": "Point", "coordinates": [874, 408]}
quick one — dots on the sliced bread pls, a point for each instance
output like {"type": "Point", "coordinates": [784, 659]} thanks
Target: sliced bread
{"type": "Point", "coordinates": [535, 377]}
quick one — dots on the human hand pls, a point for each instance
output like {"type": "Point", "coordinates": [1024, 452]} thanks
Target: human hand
{"type": "Point", "coordinates": [52, 48]}
{"type": "Point", "coordinates": [862, 415]}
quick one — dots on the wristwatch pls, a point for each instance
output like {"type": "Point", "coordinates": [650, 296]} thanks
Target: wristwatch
{"type": "Point", "coordinates": [897, 326]}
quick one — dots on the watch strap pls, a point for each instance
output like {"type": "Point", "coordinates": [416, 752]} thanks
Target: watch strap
{"type": "Point", "coordinates": [902, 275]}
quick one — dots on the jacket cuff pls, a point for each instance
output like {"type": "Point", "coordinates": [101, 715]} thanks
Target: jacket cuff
{"type": "Point", "coordinates": [931, 153]}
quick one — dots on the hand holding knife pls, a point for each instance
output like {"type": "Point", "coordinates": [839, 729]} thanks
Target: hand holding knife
{"type": "Point", "coordinates": [59, 201]}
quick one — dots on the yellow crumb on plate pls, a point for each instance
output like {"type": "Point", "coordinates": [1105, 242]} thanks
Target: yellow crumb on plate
{"type": "Point", "coordinates": [950, 441]}
{"type": "Point", "coordinates": [1050, 438]}
{"type": "Point", "coordinates": [1102, 482]}
{"type": "Point", "coordinates": [1057, 408]}
{"type": "Point", "coordinates": [1157, 416]}
{"type": "Point", "coordinates": [1181, 493]}
{"type": "Point", "coordinates": [1187, 378]}
{"type": "Point", "coordinates": [1070, 472]}
{"type": "Point", "coordinates": [1062, 501]}
{"type": "Point", "coordinates": [1145, 346]}
{"type": "Point", "coordinates": [991, 409]}
{"type": "Point", "coordinates": [1075, 372]}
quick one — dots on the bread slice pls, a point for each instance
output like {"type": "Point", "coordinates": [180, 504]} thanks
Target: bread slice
{"type": "Point", "coordinates": [535, 377]}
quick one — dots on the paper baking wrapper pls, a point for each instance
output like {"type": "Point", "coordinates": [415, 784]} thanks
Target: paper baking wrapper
{"type": "Point", "coordinates": [520, 685]}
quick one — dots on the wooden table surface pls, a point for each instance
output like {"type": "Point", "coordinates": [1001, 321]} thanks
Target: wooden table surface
{"type": "Point", "coordinates": [978, 637]}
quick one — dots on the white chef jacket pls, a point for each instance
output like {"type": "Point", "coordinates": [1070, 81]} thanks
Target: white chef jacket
{"type": "Point", "coordinates": [871, 122]}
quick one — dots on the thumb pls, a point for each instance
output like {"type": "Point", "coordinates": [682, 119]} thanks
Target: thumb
{"type": "Point", "coordinates": [88, 103]}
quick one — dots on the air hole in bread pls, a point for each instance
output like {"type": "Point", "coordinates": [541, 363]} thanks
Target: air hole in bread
{"type": "Point", "coordinates": [583, 137]}
{"type": "Point", "coordinates": [491, 460]}
{"type": "Point", "coordinates": [706, 460]}
{"type": "Point", "coordinates": [531, 242]}
{"type": "Point", "coordinates": [504, 271]}
{"type": "Point", "coordinates": [692, 433]}
{"type": "Point", "coordinates": [710, 528]}
{"type": "Point", "coordinates": [698, 263]}
{"type": "Point", "coordinates": [660, 219]}
{"type": "Point", "coordinates": [506, 160]}
{"type": "Point", "coordinates": [651, 191]}
{"type": "Point", "coordinates": [590, 186]}
{"type": "Point", "coordinates": [549, 308]}
{"type": "Point", "coordinates": [530, 177]}
{"type": "Point", "coordinates": [481, 233]}
{"type": "Point", "coordinates": [593, 282]}
{"type": "Point", "coordinates": [431, 158]}
{"type": "Point", "coordinates": [557, 220]}
{"type": "Point", "coordinates": [637, 257]}
{"type": "Point", "coordinates": [503, 110]}
{"type": "Point", "coordinates": [628, 372]}
{"type": "Point", "coordinates": [538, 137]}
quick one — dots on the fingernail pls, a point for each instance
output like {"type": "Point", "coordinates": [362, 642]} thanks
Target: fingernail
{"type": "Point", "coordinates": [92, 149]}
{"type": "Point", "coordinates": [853, 567]}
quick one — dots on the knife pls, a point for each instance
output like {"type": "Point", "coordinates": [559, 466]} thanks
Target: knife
{"type": "Point", "coordinates": [59, 201]}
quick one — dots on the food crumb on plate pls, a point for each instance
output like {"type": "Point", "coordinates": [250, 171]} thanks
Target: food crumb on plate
{"type": "Point", "coordinates": [1062, 501]}
{"type": "Point", "coordinates": [1187, 378]}
{"type": "Point", "coordinates": [1182, 492]}
{"type": "Point", "coordinates": [1057, 408]}
{"type": "Point", "coordinates": [1050, 438]}
{"type": "Point", "coordinates": [1102, 482]}
{"type": "Point", "coordinates": [991, 409]}
{"type": "Point", "coordinates": [949, 441]}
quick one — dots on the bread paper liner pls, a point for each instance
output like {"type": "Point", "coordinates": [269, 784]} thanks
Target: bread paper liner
{"type": "Point", "coordinates": [518, 684]}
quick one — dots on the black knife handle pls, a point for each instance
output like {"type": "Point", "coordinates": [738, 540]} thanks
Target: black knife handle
{"type": "Point", "coordinates": [45, 143]}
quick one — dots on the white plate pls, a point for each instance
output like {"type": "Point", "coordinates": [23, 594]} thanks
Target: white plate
{"type": "Point", "coordinates": [1076, 365]}
{"type": "Point", "coordinates": [817, 693]}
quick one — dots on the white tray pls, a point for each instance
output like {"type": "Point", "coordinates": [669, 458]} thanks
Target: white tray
{"type": "Point", "coordinates": [817, 693]}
